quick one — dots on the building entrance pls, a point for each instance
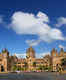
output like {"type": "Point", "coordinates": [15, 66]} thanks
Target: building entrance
{"type": "Point", "coordinates": [2, 68]}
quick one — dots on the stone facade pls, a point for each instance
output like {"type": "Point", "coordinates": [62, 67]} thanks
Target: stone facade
{"type": "Point", "coordinates": [4, 60]}
{"type": "Point", "coordinates": [31, 60]}
{"type": "Point", "coordinates": [57, 57]}
{"type": "Point", "coordinates": [52, 60]}
{"type": "Point", "coordinates": [32, 63]}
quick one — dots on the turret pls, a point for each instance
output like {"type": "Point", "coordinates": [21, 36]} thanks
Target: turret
{"type": "Point", "coordinates": [54, 52]}
{"type": "Point", "coordinates": [61, 52]}
{"type": "Point", "coordinates": [30, 53]}
{"type": "Point", "coordinates": [5, 52]}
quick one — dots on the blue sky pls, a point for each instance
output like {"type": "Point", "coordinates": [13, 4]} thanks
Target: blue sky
{"type": "Point", "coordinates": [37, 23]}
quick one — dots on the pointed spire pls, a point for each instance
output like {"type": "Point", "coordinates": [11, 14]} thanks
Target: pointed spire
{"type": "Point", "coordinates": [56, 53]}
{"type": "Point", "coordinates": [53, 52]}
{"type": "Point", "coordinates": [4, 50]}
{"type": "Point", "coordinates": [53, 49]}
{"type": "Point", "coordinates": [61, 52]}
{"type": "Point", "coordinates": [30, 52]}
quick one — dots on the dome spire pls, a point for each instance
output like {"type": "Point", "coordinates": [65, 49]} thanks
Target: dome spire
{"type": "Point", "coordinates": [30, 52]}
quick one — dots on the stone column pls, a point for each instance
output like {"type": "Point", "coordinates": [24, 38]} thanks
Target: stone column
{"type": "Point", "coordinates": [5, 69]}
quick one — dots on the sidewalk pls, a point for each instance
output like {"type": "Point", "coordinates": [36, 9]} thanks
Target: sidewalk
{"type": "Point", "coordinates": [3, 72]}
{"type": "Point", "coordinates": [64, 72]}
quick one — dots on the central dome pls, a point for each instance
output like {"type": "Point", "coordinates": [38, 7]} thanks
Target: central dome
{"type": "Point", "coordinates": [30, 53]}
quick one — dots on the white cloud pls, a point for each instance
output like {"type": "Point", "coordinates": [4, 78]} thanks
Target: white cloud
{"type": "Point", "coordinates": [32, 42]}
{"type": "Point", "coordinates": [42, 17]}
{"type": "Point", "coordinates": [56, 34]}
{"type": "Point", "coordinates": [61, 46]}
{"type": "Point", "coordinates": [61, 21]}
{"type": "Point", "coordinates": [19, 55]}
{"type": "Point", "coordinates": [41, 55]}
{"type": "Point", "coordinates": [38, 55]}
{"type": "Point", "coordinates": [26, 23]}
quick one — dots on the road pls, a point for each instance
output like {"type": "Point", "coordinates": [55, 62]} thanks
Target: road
{"type": "Point", "coordinates": [33, 76]}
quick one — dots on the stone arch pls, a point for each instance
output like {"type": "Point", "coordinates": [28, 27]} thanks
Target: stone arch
{"type": "Point", "coordinates": [2, 68]}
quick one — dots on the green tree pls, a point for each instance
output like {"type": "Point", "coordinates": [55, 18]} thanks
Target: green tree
{"type": "Point", "coordinates": [34, 64]}
{"type": "Point", "coordinates": [63, 62]}
{"type": "Point", "coordinates": [40, 67]}
{"type": "Point", "coordinates": [14, 68]}
{"type": "Point", "coordinates": [25, 65]}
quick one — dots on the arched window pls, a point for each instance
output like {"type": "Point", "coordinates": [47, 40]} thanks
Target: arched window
{"type": "Point", "coordinates": [2, 68]}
